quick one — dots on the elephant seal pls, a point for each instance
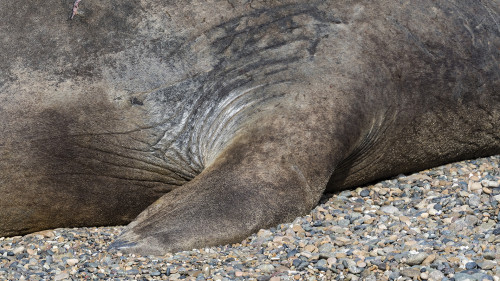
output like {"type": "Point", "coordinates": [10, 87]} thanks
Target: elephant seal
{"type": "Point", "coordinates": [209, 120]}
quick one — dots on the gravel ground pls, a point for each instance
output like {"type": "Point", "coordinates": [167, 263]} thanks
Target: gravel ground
{"type": "Point", "coordinates": [439, 224]}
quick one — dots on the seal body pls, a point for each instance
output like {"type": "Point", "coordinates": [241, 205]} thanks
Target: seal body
{"type": "Point", "coordinates": [225, 117]}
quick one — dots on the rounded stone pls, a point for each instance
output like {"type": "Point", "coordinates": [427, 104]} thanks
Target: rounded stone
{"type": "Point", "coordinates": [416, 259]}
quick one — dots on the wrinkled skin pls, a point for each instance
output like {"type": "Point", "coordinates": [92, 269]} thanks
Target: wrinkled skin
{"type": "Point", "coordinates": [209, 120]}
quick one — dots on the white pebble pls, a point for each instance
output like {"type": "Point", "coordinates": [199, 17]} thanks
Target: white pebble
{"type": "Point", "coordinates": [71, 262]}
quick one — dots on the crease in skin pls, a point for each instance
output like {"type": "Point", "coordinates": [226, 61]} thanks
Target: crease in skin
{"type": "Point", "coordinates": [158, 172]}
{"type": "Point", "coordinates": [188, 175]}
{"type": "Point", "coordinates": [168, 143]}
{"type": "Point", "coordinates": [378, 129]}
{"type": "Point", "coordinates": [108, 176]}
{"type": "Point", "coordinates": [180, 170]}
{"type": "Point", "coordinates": [228, 120]}
{"type": "Point", "coordinates": [220, 121]}
{"type": "Point", "coordinates": [136, 149]}
{"type": "Point", "coordinates": [128, 156]}
{"type": "Point", "coordinates": [171, 165]}
{"type": "Point", "coordinates": [95, 134]}
{"type": "Point", "coordinates": [167, 175]}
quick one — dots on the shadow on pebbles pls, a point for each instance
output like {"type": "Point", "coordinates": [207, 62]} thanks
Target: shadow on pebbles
{"type": "Point", "coordinates": [439, 224]}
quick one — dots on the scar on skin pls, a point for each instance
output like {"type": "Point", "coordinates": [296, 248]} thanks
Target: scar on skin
{"type": "Point", "coordinates": [75, 9]}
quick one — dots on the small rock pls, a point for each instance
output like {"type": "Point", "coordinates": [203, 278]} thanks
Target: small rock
{"type": "Point", "coordinates": [331, 261]}
{"type": "Point", "coordinates": [361, 264]}
{"type": "Point", "coordinates": [71, 262]}
{"type": "Point", "coordinates": [325, 248]}
{"type": "Point", "coordinates": [176, 276]}
{"type": "Point", "coordinates": [206, 270]}
{"type": "Point", "coordinates": [389, 209]}
{"type": "Point", "coordinates": [489, 183]}
{"type": "Point", "coordinates": [489, 255]}
{"type": "Point", "coordinates": [470, 265]}
{"type": "Point", "coordinates": [61, 276]}
{"type": "Point", "coordinates": [487, 264]}
{"type": "Point", "coordinates": [321, 263]}
{"type": "Point", "coordinates": [474, 200]}
{"type": "Point", "coordinates": [297, 228]}
{"type": "Point", "coordinates": [429, 259]}
{"type": "Point", "coordinates": [416, 259]}
{"type": "Point", "coordinates": [364, 193]}
{"type": "Point", "coordinates": [435, 275]}
{"type": "Point", "coordinates": [266, 268]}
{"type": "Point", "coordinates": [18, 250]}
{"type": "Point", "coordinates": [394, 275]}
{"type": "Point", "coordinates": [311, 248]}
{"type": "Point", "coordinates": [264, 233]}
{"type": "Point", "coordinates": [133, 271]}
{"type": "Point", "coordinates": [411, 272]}
{"type": "Point", "coordinates": [475, 186]}
{"type": "Point", "coordinates": [351, 266]}
{"type": "Point", "coordinates": [155, 273]}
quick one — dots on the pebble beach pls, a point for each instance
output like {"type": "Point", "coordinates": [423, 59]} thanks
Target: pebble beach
{"type": "Point", "coordinates": [438, 224]}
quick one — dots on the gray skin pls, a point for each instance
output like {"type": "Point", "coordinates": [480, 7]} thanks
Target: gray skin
{"type": "Point", "coordinates": [208, 120]}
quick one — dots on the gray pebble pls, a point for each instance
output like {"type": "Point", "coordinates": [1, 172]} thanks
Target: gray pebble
{"type": "Point", "coordinates": [490, 183]}
{"type": "Point", "coordinates": [133, 271]}
{"type": "Point", "coordinates": [416, 259]}
{"type": "Point", "coordinates": [394, 275]}
{"type": "Point", "coordinates": [411, 272]}
{"type": "Point", "coordinates": [487, 264]}
{"type": "Point", "coordinates": [389, 209]}
{"type": "Point", "coordinates": [436, 275]}
{"type": "Point", "coordinates": [365, 193]}
{"type": "Point", "coordinates": [155, 273]}
{"type": "Point", "coordinates": [325, 248]}
{"type": "Point", "coordinates": [266, 268]}
{"type": "Point", "coordinates": [344, 222]}
{"type": "Point", "coordinates": [470, 265]}
{"type": "Point", "coordinates": [474, 200]}
{"type": "Point", "coordinates": [489, 255]}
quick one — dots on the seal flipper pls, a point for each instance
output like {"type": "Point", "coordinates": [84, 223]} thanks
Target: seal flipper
{"type": "Point", "coordinates": [222, 205]}
{"type": "Point", "coordinates": [260, 180]}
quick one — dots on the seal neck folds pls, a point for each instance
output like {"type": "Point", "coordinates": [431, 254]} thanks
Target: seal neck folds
{"type": "Point", "coordinates": [249, 58]}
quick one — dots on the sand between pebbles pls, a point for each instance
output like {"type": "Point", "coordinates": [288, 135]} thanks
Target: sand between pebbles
{"type": "Point", "coordinates": [439, 224]}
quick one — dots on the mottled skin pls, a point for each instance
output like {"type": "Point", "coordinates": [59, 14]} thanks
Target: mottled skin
{"type": "Point", "coordinates": [232, 115]}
